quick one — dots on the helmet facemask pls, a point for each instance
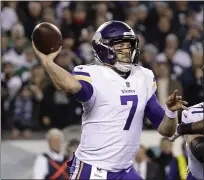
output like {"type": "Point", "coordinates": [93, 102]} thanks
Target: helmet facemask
{"type": "Point", "coordinates": [127, 55]}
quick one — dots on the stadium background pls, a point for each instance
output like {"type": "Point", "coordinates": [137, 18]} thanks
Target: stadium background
{"type": "Point", "coordinates": [171, 44]}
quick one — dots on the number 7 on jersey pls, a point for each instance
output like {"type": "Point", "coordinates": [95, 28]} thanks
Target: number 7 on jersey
{"type": "Point", "coordinates": [124, 100]}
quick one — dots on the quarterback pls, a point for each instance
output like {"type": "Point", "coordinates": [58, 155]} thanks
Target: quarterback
{"type": "Point", "coordinates": [116, 95]}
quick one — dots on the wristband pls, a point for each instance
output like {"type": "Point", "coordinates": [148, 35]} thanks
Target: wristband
{"type": "Point", "coordinates": [170, 114]}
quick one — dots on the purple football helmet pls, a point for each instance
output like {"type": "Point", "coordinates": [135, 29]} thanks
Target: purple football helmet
{"type": "Point", "coordinates": [109, 34]}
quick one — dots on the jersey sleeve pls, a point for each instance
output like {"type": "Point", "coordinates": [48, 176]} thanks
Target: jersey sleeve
{"type": "Point", "coordinates": [153, 110]}
{"type": "Point", "coordinates": [87, 94]}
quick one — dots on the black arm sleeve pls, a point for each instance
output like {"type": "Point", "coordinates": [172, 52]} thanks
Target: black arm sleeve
{"type": "Point", "coordinates": [197, 148]}
{"type": "Point", "coordinates": [191, 128]}
{"type": "Point", "coordinates": [184, 129]}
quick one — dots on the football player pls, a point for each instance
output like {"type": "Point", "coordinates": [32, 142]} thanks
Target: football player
{"type": "Point", "coordinates": [194, 142]}
{"type": "Point", "coordinates": [192, 127]}
{"type": "Point", "coordinates": [116, 96]}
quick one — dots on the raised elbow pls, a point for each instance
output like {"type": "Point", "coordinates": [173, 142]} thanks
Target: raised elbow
{"type": "Point", "coordinates": [72, 89]}
{"type": "Point", "coordinates": [68, 85]}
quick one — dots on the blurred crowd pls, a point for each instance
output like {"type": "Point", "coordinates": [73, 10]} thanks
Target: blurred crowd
{"type": "Point", "coordinates": [171, 44]}
{"type": "Point", "coordinates": [160, 163]}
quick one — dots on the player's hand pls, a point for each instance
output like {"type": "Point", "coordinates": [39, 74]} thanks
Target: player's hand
{"type": "Point", "coordinates": [175, 102]}
{"type": "Point", "coordinates": [44, 57]}
{"type": "Point", "coordinates": [175, 136]}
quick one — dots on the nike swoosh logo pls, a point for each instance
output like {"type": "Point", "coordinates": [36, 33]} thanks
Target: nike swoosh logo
{"type": "Point", "coordinates": [128, 170]}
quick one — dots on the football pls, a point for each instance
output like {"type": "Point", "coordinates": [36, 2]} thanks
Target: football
{"type": "Point", "coordinates": [47, 38]}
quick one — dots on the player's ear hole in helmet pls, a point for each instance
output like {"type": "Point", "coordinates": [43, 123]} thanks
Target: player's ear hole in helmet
{"type": "Point", "coordinates": [110, 34]}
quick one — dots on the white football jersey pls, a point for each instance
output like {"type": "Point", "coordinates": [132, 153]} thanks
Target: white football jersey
{"type": "Point", "coordinates": [194, 114]}
{"type": "Point", "coordinates": [113, 117]}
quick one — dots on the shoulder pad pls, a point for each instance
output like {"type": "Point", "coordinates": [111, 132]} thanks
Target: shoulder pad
{"type": "Point", "coordinates": [194, 113]}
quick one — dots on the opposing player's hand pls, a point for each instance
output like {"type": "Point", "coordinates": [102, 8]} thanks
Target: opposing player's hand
{"type": "Point", "coordinates": [175, 136]}
{"type": "Point", "coordinates": [175, 102]}
{"type": "Point", "coordinates": [44, 57]}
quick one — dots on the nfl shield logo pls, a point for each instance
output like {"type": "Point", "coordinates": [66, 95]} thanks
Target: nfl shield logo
{"type": "Point", "coordinates": [99, 169]}
{"type": "Point", "coordinates": [127, 84]}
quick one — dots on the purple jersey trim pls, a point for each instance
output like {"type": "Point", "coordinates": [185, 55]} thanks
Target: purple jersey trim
{"type": "Point", "coordinates": [81, 73]}
{"type": "Point", "coordinates": [85, 93]}
{"type": "Point", "coordinates": [154, 112]}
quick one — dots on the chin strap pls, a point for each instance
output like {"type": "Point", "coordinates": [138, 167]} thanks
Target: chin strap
{"type": "Point", "coordinates": [123, 67]}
